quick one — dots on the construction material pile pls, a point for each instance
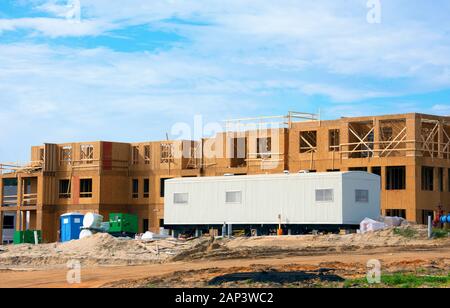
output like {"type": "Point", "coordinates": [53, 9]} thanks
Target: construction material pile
{"type": "Point", "coordinates": [370, 225]}
{"type": "Point", "coordinates": [92, 224]}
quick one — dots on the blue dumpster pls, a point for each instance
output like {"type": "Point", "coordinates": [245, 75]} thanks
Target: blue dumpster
{"type": "Point", "coordinates": [71, 224]}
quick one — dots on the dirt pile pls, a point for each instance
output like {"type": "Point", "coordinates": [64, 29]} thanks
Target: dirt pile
{"type": "Point", "coordinates": [99, 249]}
{"type": "Point", "coordinates": [411, 237]}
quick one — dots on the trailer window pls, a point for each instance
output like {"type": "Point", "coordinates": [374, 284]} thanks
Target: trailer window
{"type": "Point", "coordinates": [361, 196]}
{"type": "Point", "coordinates": [233, 197]}
{"type": "Point", "coordinates": [180, 198]}
{"type": "Point", "coordinates": [324, 195]}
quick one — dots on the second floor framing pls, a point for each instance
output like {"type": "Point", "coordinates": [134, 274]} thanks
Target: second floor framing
{"type": "Point", "coordinates": [404, 135]}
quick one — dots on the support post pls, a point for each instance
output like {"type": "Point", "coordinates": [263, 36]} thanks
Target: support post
{"type": "Point", "coordinates": [19, 219]}
{"type": "Point", "coordinates": [224, 229]}
{"type": "Point", "coordinates": [230, 230]}
{"type": "Point", "coordinates": [345, 139]}
{"type": "Point", "coordinates": [430, 227]}
{"type": "Point", "coordinates": [440, 140]}
{"type": "Point", "coordinates": [377, 137]}
{"type": "Point", "coordinates": [415, 133]}
{"type": "Point", "coordinates": [27, 220]}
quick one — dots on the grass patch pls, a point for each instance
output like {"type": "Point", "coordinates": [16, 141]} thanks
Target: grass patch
{"type": "Point", "coordinates": [401, 280]}
{"type": "Point", "coordinates": [405, 232]}
{"type": "Point", "coordinates": [440, 233]}
{"type": "Point", "coordinates": [357, 283]}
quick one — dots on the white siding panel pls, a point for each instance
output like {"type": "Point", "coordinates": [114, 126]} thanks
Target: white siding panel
{"type": "Point", "coordinates": [354, 212]}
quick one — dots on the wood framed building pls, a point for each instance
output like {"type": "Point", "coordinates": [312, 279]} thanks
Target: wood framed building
{"type": "Point", "coordinates": [411, 153]}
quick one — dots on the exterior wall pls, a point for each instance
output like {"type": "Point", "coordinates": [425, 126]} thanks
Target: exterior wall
{"type": "Point", "coordinates": [354, 212]}
{"type": "Point", "coordinates": [422, 140]}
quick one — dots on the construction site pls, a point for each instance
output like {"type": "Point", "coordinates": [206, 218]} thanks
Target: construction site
{"type": "Point", "coordinates": [411, 153]}
{"type": "Point", "coordinates": [408, 153]}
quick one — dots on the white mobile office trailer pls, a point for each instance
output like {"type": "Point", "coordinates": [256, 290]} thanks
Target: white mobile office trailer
{"type": "Point", "coordinates": [296, 201]}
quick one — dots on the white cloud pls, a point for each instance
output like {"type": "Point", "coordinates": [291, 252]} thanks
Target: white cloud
{"type": "Point", "coordinates": [238, 57]}
{"type": "Point", "coordinates": [88, 94]}
{"type": "Point", "coordinates": [56, 27]}
{"type": "Point", "coordinates": [330, 37]}
{"type": "Point", "coordinates": [442, 109]}
{"type": "Point", "coordinates": [341, 94]}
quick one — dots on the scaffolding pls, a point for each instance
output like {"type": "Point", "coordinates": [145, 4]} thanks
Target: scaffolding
{"type": "Point", "coordinates": [32, 167]}
{"type": "Point", "coordinates": [264, 122]}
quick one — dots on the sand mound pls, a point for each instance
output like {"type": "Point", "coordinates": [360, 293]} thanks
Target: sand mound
{"type": "Point", "coordinates": [99, 249]}
{"type": "Point", "coordinates": [103, 245]}
{"type": "Point", "coordinates": [409, 237]}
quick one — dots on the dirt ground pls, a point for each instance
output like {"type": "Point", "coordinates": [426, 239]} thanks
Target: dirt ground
{"type": "Point", "coordinates": [294, 261]}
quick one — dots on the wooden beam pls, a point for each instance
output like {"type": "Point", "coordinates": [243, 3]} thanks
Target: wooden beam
{"type": "Point", "coordinates": [362, 140]}
{"type": "Point", "coordinates": [395, 140]}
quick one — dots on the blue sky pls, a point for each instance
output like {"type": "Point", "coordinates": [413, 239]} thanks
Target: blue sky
{"type": "Point", "coordinates": [128, 72]}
